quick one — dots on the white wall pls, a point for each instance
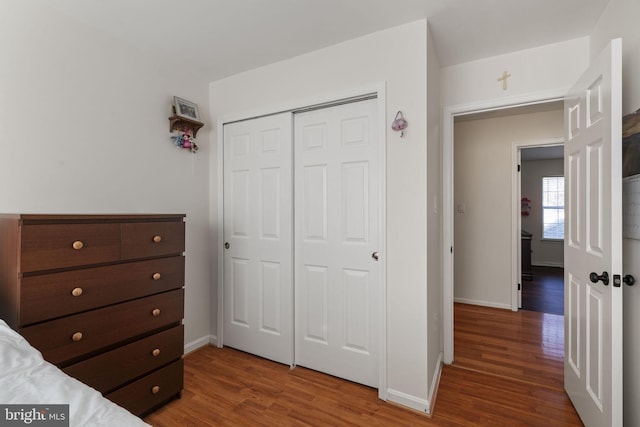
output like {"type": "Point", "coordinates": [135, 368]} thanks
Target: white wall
{"type": "Point", "coordinates": [620, 19]}
{"type": "Point", "coordinates": [483, 175]}
{"type": "Point", "coordinates": [544, 252]}
{"type": "Point", "coordinates": [539, 70]}
{"type": "Point", "coordinates": [397, 57]}
{"type": "Point", "coordinates": [85, 130]}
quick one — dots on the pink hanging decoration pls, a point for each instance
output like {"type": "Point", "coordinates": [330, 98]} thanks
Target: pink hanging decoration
{"type": "Point", "coordinates": [399, 124]}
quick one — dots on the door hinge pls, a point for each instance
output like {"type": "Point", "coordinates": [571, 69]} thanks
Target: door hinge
{"type": "Point", "coordinates": [451, 249]}
{"type": "Point", "coordinates": [518, 168]}
{"type": "Point", "coordinates": [519, 287]}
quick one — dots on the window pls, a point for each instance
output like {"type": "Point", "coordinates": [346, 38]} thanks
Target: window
{"type": "Point", "coordinates": [553, 207]}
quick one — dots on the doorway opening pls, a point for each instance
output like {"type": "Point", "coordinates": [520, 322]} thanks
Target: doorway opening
{"type": "Point", "coordinates": [542, 228]}
{"type": "Point", "coordinates": [487, 245]}
{"type": "Point", "coordinates": [451, 114]}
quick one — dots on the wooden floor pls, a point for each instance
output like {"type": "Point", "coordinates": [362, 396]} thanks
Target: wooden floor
{"type": "Point", "coordinates": [508, 372]}
{"type": "Point", "coordinates": [524, 345]}
{"type": "Point", "coordinates": [545, 292]}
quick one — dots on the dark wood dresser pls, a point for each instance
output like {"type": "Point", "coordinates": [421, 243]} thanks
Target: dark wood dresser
{"type": "Point", "coordinates": [102, 297]}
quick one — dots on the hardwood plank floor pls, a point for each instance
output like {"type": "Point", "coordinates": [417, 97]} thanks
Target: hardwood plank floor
{"type": "Point", "coordinates": [226, 387]}
{"type": "Point", "coordinates": [524, 345]}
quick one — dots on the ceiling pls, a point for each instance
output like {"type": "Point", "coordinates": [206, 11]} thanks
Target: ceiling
{"type": "Point", "coordinates": [536, 107]}
{"type": "Point", "coordinates": [555, 152]}
{"type": "Point", "coordinates": [218, 38]}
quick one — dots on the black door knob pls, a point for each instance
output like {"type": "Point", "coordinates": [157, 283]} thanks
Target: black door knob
{"type": "Point", "coordinates": [604, 277]}
{"type": "Point", "coordinates": [629, 280]}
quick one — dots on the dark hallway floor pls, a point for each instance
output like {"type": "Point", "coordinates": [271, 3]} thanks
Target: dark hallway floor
{"type": "Point", "coordinates": [545, 293]}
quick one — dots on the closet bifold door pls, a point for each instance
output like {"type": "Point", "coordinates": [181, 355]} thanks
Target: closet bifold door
{"type": "Point", "coordinates": [337, 225]}
{"type": "Point", "coordinates": [258, 294]}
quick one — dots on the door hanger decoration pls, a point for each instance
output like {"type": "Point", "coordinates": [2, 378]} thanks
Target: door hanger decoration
{"type": "Point", "coordinates": [399, 124]}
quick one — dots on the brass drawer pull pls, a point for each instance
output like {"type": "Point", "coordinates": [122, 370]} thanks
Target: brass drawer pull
{"type": "Point", "coordinates": [155, 389]}
{"type": "Point", "coordinates": [77, 245]}
{"type": "Point", "coordinates": [156, 276]}
{"type": "Point", "coordinates": [156, 312]}
{"type": "Point", "coordinates": [76, 292]}
{"type": "Point", "coordinates": [155, 352]}
{"type": "Point", "coordinates": [157, 239]}
{"type": "Point", "coordinates": [77, 336]}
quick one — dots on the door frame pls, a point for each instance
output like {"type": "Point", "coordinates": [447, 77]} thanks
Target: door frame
{"type": "Point", "coordinates": [350, 95]}
{"type": "Point", "coordinates": [516, 218]}
{"type": "Point", "coordinates": [448, 116]}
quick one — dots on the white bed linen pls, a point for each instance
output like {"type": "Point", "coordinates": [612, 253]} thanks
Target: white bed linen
{"type": "Point", "coordinates": [26, 378]}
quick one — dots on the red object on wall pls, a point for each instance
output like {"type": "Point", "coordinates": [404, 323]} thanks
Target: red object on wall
{"type": "Point", "coordinates": [525, 208]}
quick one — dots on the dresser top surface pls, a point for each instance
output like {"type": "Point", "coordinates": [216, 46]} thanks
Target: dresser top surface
{"type": "Point", "coordinates": [35, 218]}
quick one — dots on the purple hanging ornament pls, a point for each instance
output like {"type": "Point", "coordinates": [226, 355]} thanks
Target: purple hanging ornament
{"type": "Point", "coordinates": [399, 124]}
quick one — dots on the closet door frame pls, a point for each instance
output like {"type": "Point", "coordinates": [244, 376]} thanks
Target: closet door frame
{"type": "Point", "coordinates": [217, 222]}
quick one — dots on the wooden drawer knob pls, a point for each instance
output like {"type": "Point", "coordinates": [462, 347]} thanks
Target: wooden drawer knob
{"type": "Point", "coordinates": [77, 245]}
{"type": "Point", "coordinates": [155, 389]}
{"type": "Point", "coordinates": [155, 352]}
{"type": "Point", "coordinates": [76, 292]}
{"type": "Point", "coordinates": [77, 336]}
{"type": "Point", "coordinates": [156, 312]}
{"type": "Point", "coordinates": [157, 239]}
{"type": "Point", "coordinates": [156, 276]}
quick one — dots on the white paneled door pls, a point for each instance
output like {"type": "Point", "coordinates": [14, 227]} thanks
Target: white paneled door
{"type": "Point", "coordinates": [258, 294]}
{"type": "Point", "coordinates": [593, 242]}
{"type": "Point", "coordinates": [337, 207]}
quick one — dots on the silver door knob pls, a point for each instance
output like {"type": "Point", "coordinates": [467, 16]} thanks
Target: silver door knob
{"type": "Point", "coordinates": [375, 256]}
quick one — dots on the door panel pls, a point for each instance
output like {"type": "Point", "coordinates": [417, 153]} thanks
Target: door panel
{"type": "Point", "coordinates": [315, 206]}
{"type": "Point", "coordinates": [593, 193]}
{"type": "Point", "coordinates": [336, 226]}
{"type": "Point", "coordinates": [593, 320]}
{"type": "Point", "coordinates": [269, 212]}
{"type": "Point", "coordinates": [257, 227]}
{"type": "Point", "coordinates": [355, 202]}
{"type": "Point", "coordinates": [240, 196]}
{"type": "Point", "coordinates": [594, 333]}
{"type": "Point", "coordinates": [315, 305]}
{"type": "Point", "coordinates": [572, 322]}
{"type": "Point", "coordinates": [270, 309]}
{"type": "Point", "coordinates": [357, 304]}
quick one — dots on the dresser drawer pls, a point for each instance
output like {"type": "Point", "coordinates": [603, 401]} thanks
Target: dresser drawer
{"type": "Point", "coordinates": [108, 371]}
{"type": "Point", "coordinates": [146, 393]}
{"type": "Point", "coordinates": [54, 295]}
{"type": "Point", "coordinates": [49, 246]}
{"type": "Point", "coordinates": [65, 340]}
{"type": "Point", "coordinates": [149, 239]}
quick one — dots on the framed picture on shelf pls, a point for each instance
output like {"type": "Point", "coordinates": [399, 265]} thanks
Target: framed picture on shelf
{"type": "Point", "coordinates": [186, 109]}
{"type": "Point", "coordinates": [631, 144]}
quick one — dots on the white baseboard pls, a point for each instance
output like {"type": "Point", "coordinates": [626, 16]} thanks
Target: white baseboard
{"type": "Point", "coordinates": [483, 303]}
{"type": "Point", "coordinates": [200, 342]}
{"type": "Point", "coordinates": [407, 400]}
{"type": "Point", "coordinates": [548, 264]}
